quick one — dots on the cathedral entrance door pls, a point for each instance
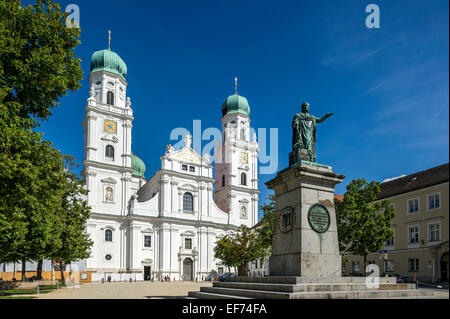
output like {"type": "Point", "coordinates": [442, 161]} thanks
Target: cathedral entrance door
{"type": "Point", "coordinates": [187, 269]}
{"type": "Point", "coordinates": [147, 271]}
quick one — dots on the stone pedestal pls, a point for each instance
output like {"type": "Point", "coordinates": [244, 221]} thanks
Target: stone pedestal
{"type": "Point", "coordinates": [298, 249]}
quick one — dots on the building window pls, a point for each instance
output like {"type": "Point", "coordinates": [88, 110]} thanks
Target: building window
{"type": "Point", "coordinates": [188, 243]}
{"type": "Point", "coordinates": [109, 195]}
{"type": "Point", "coordinates": [188, 202]}
{"type": "Point", "coordinates": [413, 264]}
{"type": "Point", "coordinates": [413, 205]}
{"type": "Point", "coordinates": [413, 234]}
{"type": "Point", "coordinates": [110, 98]}
{"type": "Point", "coordinates": [243, 179]}
{"type": "Point", "coordinates": [434, 232]}
{"type": "Point", "coordinates": [147, 241]}
{"type": "Point", "coordinates": [220, 271]}
{"type": "Point", "coordinates": [223, 180]}
{"type": "Point", "coordinates": [191, 168]}
{"type": "Point", "coordinates": [108, 235]}
{"type": "Point", "coordinates": [243, 134]}
{"type": "Point", "coordinates": [184, 167]}
{"type": "Point", "coordinates": [109, 153]}
{"type": "Point", "coordinates": [434, 201]}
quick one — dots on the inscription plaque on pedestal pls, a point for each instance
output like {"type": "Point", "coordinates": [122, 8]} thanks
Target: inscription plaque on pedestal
{"type": "Point", "coordinates": [319, 218]}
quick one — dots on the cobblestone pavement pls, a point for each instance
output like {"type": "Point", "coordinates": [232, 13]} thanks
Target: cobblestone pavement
{"type": "Point", "coordinates": [126, 290]}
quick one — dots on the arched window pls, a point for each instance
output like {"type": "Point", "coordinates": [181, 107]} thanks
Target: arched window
{"type": "Point", "coordinates": [110, 98]}
{"type": "Point", "coordinates": [109, 153]}
{"type": "Point", "coordinates": [242, 134]}
{"type": "Point", "coordinates": [243, 179]}
{"type": "Point", "coordinates": [188, 202]}
{"type": "Point", "coordinates": [223, 180]}
{"type": "Point", "coordinates": [108, 235]}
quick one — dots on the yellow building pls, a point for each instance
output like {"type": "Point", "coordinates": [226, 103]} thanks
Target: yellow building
{"type": "Point", "coordinates": [420, 243]}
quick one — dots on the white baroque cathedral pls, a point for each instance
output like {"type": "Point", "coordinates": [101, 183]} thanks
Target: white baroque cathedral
{"type": "Point", "coordinates": [167, 225]}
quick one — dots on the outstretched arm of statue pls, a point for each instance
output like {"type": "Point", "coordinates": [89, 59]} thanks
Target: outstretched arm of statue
{"type": "Point", "coordinates": [323, 118]}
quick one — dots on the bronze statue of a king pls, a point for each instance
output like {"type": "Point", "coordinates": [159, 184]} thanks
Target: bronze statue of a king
{"type": "Point", "coordinates": [304, 135]}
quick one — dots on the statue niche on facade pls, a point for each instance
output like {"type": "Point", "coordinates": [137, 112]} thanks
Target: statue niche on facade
{"type": "Point", "coordinates": [304, 135]}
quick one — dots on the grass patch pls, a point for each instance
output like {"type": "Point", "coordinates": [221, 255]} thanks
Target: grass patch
{"type": "Point", "coordinates": [42, 290]}
{"type": "Point", "coordinates": [18, 297]}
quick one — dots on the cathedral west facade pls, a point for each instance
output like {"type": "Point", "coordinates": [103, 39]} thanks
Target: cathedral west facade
{"type": "Point", "coordinates": [167, 225]}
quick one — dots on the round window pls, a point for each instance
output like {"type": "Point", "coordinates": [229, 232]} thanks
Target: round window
{"type": "Point", "coordinates": [108, 257]}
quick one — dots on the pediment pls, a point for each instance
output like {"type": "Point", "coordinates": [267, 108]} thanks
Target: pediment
{"type": "Point", "coordinates": [109, 180]}
{"type": "Point", "coordinates": [110, 138]}
{"type": "Point", "coordinates": [186, 154]}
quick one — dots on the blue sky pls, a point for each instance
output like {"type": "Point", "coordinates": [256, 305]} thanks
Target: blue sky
{"type": "Point", "coordinates": [387, 87]}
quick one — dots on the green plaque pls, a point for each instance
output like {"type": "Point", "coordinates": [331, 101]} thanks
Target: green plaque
{"type": "Point", "coordinates": [319, 218]}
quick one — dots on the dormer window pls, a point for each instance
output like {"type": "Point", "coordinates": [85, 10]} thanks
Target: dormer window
{"type": "Point", "coordinates": [191, 168]}
{"type": "Point", "coordinates": [184, 167]}
{"type": "Point", "coordinates": [110, 98]}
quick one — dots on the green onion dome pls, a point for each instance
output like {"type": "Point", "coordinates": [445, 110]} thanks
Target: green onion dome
{"type": "Point", "coordinates": [138, 166]}
{"type": "Point", "coordinates": [235, 104]}
{"type": "Point", "coordinates": [107, 60]}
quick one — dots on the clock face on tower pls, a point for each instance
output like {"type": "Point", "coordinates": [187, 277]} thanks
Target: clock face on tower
{"type": "Point", "coordinates": [244, 158]}
{"type": "Point", "coordinates": [110, 126]}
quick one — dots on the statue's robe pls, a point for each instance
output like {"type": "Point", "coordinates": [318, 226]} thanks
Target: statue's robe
{"type": "Point", "coordinates": [304, 136]}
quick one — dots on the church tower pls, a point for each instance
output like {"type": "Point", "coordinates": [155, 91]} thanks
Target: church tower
{"type": "Point", "coordinates": [113, 174]}
{"type": "Point", "coordinates": [236, 163]}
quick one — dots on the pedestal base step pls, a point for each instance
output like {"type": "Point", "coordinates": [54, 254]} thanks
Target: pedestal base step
{"type": "Point", "coordinates": [309, 288]}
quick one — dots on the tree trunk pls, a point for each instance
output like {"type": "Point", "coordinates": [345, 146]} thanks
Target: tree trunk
{"type": "Point", "coordinates": [61, 269]}
{"type": "Point", "coordinates": [364, 265]}
{"type": "Point", "coordinates": [39, 270]}
{"type": "Point", "coordinates": [23, 270]}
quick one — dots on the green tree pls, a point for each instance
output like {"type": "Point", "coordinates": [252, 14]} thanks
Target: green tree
{"type": "Point", "coordinates": [226, 250]}
{"type": "Point", "coordinates": [364, 223]}
{"type": "Point", "coordinates": [266, 224]}
{"type": "Point", "coordinates": [239, 248]}
{"type": "Point", "coordinates": [37, 62]}
{"type": "Point", "coordinates": [37, 67]}
{"type": "Point", "coordinates": [72, 240]}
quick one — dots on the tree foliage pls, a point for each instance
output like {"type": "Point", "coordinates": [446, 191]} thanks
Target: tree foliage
{"type": "Point", "coordinates": [238, 248]}
{"type": "Point", "coordinates": [71, 240]}
{"type": "Point", "coordinates": [364, 223]}
{"type": "Point", "coordinates": [37, 62]}
{"type": "Point", "coordinates": [265, 229]}
{"type": "Point", "coordinates": [37, 67]}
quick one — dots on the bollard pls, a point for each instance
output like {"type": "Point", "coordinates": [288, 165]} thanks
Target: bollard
{"type": "Point", "coordinates": [103, 280]}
